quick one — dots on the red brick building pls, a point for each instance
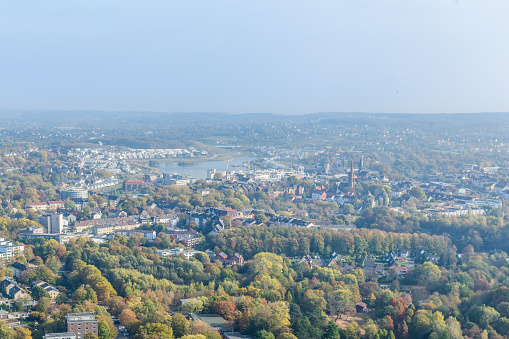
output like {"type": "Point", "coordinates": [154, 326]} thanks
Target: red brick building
{"type": "Point", "coordinates": [134, 185]}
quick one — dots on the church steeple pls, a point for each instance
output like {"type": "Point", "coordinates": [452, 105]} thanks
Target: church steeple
{"type": "Point", "coordinates": [351, 178]}
{"type": "Point", "coordinates": [361, 163]}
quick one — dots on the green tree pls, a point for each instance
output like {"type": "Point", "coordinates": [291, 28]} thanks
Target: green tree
{"type": "Point", "coordinates": [287, 336]}
{"type": "Point", "coordinates": [313, 301]}
{"type": "Point", "coordinates": [70, 205]}
{"type": "Point", "coordinates": [260, 217]}
{"type": "Point", "coordinates": [155, 331]}
{"type": "Point", "coordinates": [331, 331]}
{"type": "Point", "coordinates": [179, 325]}
{"type": "Point", "coordinates": [103, 329]}
{"type": "Point", "coordinates": [417, 193]}
{"type": "Point", "coordinates": [192, 306]}
{"type": "Point", "coordinates": [38, 292]}
{"type": "Point", "coordinates": [43, 305]}
{"type": "Point", "coordinates": [340, 302]}
{"type": "Point", "coordinates": [6, 332]}
{"type": "Point", "coordinates": [348, 209]}
{"type": "Point", "coordinates": [262, 334]}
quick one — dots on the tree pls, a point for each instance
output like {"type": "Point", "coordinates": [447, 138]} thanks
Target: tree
{"type": "Point", "coordinates": [483, 315]}
{"type": "Point", "coordinates": [340, 302]}
{"type": "Point", "coordinates": [179, 325]}
{"type": "Point", "coordinates": [38, 292]}
{"type": "Point", "coordinates": [5, 331]}
{"type": "Point", "coordinates": [313, 301]}
{"type": "Point", "coordinates": [348, 209]}
{"type": "Point", "coordinates": [90, 335]}
{"type": "Point", "coordinates": [22, 333]}
{"type": "Point", "coordinates": [262, 334]}
{"type": "Point", "coordinates": [287, 336]}
{"type": "Point", "coordinates": [53, 264]}
{"type": "Point", "coordinates": [104, 329]}
{"type": "Point", "coordinates": [43, 304]}
{"type": "Point", "coordinates": [427, 271]}
{"type": "Point", "coordinates": [260, 217]}
{"type": "Point", "coordinates": [402, 331]}
{"type": "Point", "coordinates": [417, 193]}
{"type": "Point", "coordinates": [211, 335]}
{"type": "Point", "coordinates": [155, 331]}
{"type": "Point", "coordinates": [70, 205]}
{"type": "Point", "coordinates": [270, 317]}
{"type": "Point", "coordinates": [128, 318]}
{"type": "Point", "coordinates": [482, 285]}
{"type": "Point", "coordinates": [353, 329]}
{"type": "Point", "coordinates": [454, 328]}
{"type": "Point", "coordinates": [228, 310]}
{"type": "Point", "coordinates": [192, 306]}
{"type": "Point", "coordinates": [332, 331]}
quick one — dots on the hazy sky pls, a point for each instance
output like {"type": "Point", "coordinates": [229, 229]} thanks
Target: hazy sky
{"type": "Point", "coordinates": [238, 56]}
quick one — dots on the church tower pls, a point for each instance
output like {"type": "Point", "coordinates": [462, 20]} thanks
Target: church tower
{"type": "Point", "coordinates": [361, 163]}
{"type": "Point", "coordinates": [351, 178]}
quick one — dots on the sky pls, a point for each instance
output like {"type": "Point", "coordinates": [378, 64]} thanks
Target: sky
{"type": "Point", "coordinates": [263, 56]}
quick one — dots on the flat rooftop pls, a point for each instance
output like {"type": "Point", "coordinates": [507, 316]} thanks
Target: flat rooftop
{"type": "Point", "coordinates": [210, 319]}
{"type": "Point", "coordinates": [80, 316]}
{"type": "Point", "coordinates": [59, 335]}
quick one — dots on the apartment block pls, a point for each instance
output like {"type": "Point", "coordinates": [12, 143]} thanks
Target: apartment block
{"type": "Point", "coordinates": [81, 323]}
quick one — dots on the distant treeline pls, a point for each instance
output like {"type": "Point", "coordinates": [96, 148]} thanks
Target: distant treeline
{"type": "Point", "coordinates": [291, 242]}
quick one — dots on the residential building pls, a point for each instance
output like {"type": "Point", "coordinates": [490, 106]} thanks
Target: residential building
{"type": "Point", "coordinates": [134, 185]}
{"type": "Point", "coordinates": [5, 301]}
{"type": "Point", "coordinates": [222, 257]}
{"type": "Point", "coordinates": [54, 205]}
{"type": "Point", "coordinates": [177, 251]}
{"type": "Point", "coordinates": [235, 259]}
{"type": "Point", "coordinates": [52, 291]}
{"type": "Point", "coordinates": [191, 242]}
{"type": "Point", "coordinates": [405, 253]}
{"type": "Point", "coordinates": [106, 226]}
{"type": "Point", "coordinates": [37, 206]}
{"type": "Point", "coordinates": [9, 250]}
{"type": "Point", "coordinates": [61, 238]}
{"type": "Point", "coordinates": [150, 235]}
{"type": "Point", "coordinates": [44, 206]}
{"type": "Point", "coordinates": [18, 268]}
{"type": "Point", "coordinates": [82, 323]}
{"type": "Point", "coordinates": [10, 287]}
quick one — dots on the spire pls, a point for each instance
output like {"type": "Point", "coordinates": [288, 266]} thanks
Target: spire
{"type": "Point", "coordinates": [351, 178]}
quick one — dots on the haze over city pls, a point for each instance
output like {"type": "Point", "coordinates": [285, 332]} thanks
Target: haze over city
{"type": "Point", "coordinates": [286, 57]}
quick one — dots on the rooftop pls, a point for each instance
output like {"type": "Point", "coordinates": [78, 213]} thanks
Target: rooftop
{"type": "Point", "coordinates": [80, 316]}
{"type": "Point", "coordinates": [235, 335]}
{"type": "Point", "coordinates": [59, 335]}
{"type": "Point", "coordinates": [210, 319]}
